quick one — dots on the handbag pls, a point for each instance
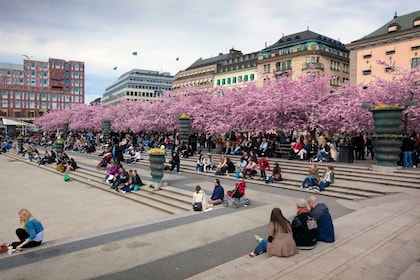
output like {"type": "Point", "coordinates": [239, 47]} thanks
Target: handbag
{"type": "Point", "coordinates": [198, 206]}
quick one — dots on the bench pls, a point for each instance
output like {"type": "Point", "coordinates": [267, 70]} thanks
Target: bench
{"type": "Point", "coordinates": [283, 150]}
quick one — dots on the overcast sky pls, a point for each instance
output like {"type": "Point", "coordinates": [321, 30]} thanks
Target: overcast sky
{"type": "Point", "coordinates": [104, 33]}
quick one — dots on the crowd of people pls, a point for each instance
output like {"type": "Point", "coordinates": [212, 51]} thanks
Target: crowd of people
{"type": "Point", "coordinates": [312, 222]}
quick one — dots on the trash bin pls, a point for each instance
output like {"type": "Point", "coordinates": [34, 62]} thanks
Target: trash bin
{"type": "Point", "coordinates": [345, 153]}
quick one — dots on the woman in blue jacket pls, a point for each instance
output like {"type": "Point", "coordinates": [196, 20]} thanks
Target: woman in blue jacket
{"type": "Point", "coordinates": [31, 232]}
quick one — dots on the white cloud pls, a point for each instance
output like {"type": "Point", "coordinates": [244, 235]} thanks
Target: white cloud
{"type": "Point", "coordinates": [104, 33]}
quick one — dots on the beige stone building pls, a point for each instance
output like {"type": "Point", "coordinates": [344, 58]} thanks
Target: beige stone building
{"type": "Point", "coordinates": [397, 43]}
{"type": "Point", "coordinates": [201, 73]}
{"type": "Point", "coordinates": [296, 54]}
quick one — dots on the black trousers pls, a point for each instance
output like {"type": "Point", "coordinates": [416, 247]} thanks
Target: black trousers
{"type": "Point", "coordinates": [22, 234]}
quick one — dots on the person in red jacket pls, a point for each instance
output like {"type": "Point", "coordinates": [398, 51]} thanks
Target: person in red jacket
{"type": "Point", "coordinates": [264, 165]}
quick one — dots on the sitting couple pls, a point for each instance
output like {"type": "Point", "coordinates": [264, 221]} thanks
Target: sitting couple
{"type": "Point", "coordinates": [217, 196]}
{"type": "Point", "coordinates": [313, 179]}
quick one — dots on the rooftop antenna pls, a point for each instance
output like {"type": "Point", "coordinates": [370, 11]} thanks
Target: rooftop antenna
{"type": "Point", "coordinates": [395, 14]}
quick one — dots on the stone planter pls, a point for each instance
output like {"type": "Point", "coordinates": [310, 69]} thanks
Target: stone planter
{"type": "Point", "coordinates": [107, 129]}
{"type": "Point", "coordinates": [19, 140]}
{"type": "Point", "coordinates": [386, 141]}
{"type": "Point", "coordinates": [65, 130]}
{"type": "Point", "coordinates": [59, 146]}
{"type": "Point", "coordinates": [184, 129]}
{"type": "Point", "coordinates": [387, 120]}
{"type": "Point", "coordinates": [157, 165]}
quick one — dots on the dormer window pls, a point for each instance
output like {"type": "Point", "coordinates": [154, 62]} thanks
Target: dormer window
{"type": "Point", "coordinates": [416, 22]}
{"type": "Point", "coordinates": [393, 27]}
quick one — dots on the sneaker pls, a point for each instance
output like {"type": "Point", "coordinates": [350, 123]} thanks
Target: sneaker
{"type": "Point", "coordinates": [301, 187]}
{"type": "Point", "coordinates": [310, 188]}
{"type": "Point", "coordinates": [317, 189]}
{"type": "Point", "coordinates": [258, 238]}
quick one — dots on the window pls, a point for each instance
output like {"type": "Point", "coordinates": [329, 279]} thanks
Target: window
{"type": "Point", "coordinates": [415, 48]}
{"type": "Point", "coordinates": [218, 82]}
{"type": "Point", "coordinates": [251, 77]}
{"type": "Point", "coordinates": [335, 65]}
{"type": "Point", "coordinates": [17, 95]}
{"type": "Point", "coordinates": [228, 81]}
{"type": "Point", "coordinates": [345, 68]}
{"type": "Point", "coordinates": [245, 78]}
{"type": "Point", "coordinates": [366, 56]}
{"type": "Point", "coordinates": [415, 62]}
{"type": "Point", "coordinates": [390, 52]}
{"type": "Point", "coordinates": [234, 80]}
{"type": "Point", "coordinates": [312, 59]}
{"type": "Point", "coordinates": [367, 72]}
{"type": "Point", "coordinates": [223, 81]}
{"type": "Point", "coordinates": [239, 79]}
{"type": "Point", "coordinates": [393, 27]}
{"type": "Point", "coordinates": [266, 68]}
{"type": "Point", "coordinates": [389, 69]}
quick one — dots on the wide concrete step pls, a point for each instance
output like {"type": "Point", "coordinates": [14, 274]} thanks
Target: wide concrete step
{"type": "Point", "coordinates": [375, 242]}
{"type": "Point", "coordinates": [400, 177]}
{"type": "Point", "coordinates": [163, 202]}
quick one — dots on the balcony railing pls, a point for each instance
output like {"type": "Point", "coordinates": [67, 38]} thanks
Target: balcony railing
{"type": "Point", "coordinates": [318, 66]}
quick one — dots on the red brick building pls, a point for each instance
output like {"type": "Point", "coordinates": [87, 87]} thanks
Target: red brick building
{"type": "Point", "coordinates": [29, 90]}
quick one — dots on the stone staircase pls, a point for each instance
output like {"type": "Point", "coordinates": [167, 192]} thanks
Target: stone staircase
{"type": "Point", "coordinates": [167, 199]}
{"type": "Point", "coordinates": [350, 184]}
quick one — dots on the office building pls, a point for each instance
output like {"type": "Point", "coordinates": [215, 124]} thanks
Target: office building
{"type": "Point", "coordinates": [36, 87]}
{"type": "Point", "coordinates": [137, 84]}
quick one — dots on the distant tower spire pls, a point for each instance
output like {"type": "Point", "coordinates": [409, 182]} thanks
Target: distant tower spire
{"type": "Point", "coordinates": [395, 14]}
{"type": "Point", "coordinates": [307, 28]}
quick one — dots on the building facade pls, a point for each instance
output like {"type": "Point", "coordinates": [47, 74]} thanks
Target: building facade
{"type": "Point", "coordinates": [296, 54]}
{"type": "Point", "coordinates": [397, 43]}
{"type": "Point", "coordinates": [236, 71]}
{"type": "Point", "coordinates": [36, 87]}
{"type": "Point", "coordinates": [201, 73]}
{"type": "Point", "coordinates": [138, 84]}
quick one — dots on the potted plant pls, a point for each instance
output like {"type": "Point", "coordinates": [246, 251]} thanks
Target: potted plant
{"type": "Point", "coordinates": [157, 165]}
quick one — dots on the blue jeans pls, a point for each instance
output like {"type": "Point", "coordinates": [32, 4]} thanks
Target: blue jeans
{"type": "Point", "coordinates": [408, 158]}
{"type": "Point", "coordinates": [310, 180]}
{"type": "Point", "coordinates": [322, 185]}
{"type": "Point", "coordinates": [320, 155]}
{"type": "Point", "coordinates": [261, 247]}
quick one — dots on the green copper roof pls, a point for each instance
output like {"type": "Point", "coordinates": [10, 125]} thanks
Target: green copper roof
{"type": "Point", "coordinates": [405, 22]}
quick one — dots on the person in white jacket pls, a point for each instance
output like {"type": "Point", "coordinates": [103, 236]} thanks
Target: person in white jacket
{"type": "Point", "coordinates": [199, 196]}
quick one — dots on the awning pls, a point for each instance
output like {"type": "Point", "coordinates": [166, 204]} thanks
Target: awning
{"type": "Point", "coordinates": [14, 122]}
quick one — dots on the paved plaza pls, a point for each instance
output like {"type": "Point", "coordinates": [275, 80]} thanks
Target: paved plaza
{"type": "Point", "coordinates": [94, 234]}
